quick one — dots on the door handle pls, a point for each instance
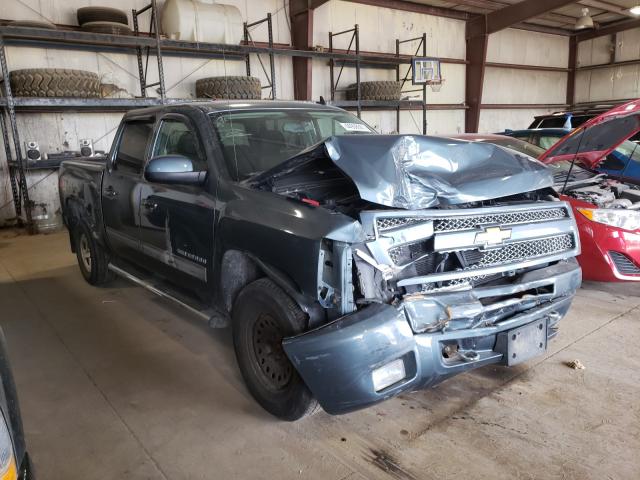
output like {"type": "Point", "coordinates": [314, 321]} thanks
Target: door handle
{"type": "Point", "coordinates": [110, 192]}
{"type": "Point", "coordinates": [149, 205]}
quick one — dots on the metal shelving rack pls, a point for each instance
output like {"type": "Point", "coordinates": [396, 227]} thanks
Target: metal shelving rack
{"type": "Point", "coordinates": [271, 77]}
{"type": "Point", "coordinates": [393, 62]}
{"type": "Point", "coordinates": [16, 163]}
{"type": "Point", "coordinates": [155, 31]}
{"type": "Point", "coordinates": [148, 44]}
{"type": "Point", "coordinates": [355, 38]}
{"type": "Point", "coordinates": [422, 45]}
{"type": "Point", "coordinates": [17, 176]}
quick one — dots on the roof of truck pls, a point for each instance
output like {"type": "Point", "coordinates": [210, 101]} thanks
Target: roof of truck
{"type": "Point", "coordinates": [233, 105]}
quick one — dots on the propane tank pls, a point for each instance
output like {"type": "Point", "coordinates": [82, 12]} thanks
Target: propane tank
{"type": "Point", "coordinates": [202, 21]}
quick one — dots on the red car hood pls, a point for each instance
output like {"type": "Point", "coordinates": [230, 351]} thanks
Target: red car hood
{"type": "Point", "coordinates": [594, 140]}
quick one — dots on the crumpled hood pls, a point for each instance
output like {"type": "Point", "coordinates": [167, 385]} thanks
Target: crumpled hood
{"type": "Point", "coordinates": [415, 171]}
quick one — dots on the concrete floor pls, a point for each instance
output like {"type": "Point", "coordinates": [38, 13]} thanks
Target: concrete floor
{"type": "Point", "coordinates": [116, 383]}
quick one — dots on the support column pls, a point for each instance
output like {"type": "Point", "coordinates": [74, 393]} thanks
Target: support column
{"type": "Point", "coordinates": [477, 40]}
{"type": "Point", "coordinates": [571, 76]}
{"type": "Point", "coordinates": [301, 15]}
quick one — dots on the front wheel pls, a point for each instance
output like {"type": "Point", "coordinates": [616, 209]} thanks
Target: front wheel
{"type": "Point", "coordinates": [92, 257]}
{"type": "Point", "coordinates": [263, 315]}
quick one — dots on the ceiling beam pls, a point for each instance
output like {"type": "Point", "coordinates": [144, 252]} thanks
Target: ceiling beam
{"type": "Point", "coordinates": [513, 14]}
{"type": "Point", "coordinates": [608, 7]}
{"type": "Point", "coordinates": [493, 5]}
{"type": "Point", "coordinates": [416, 8]}
{"type": "Point", "coordinates": [301, 6]}
{"type": "Point", "coordinates": [542, 29]}
{"type": "Point", "coordinates": [608, 29]}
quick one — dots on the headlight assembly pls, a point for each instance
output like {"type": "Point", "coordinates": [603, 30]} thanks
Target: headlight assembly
{"type": "Point", "coordinates": [625, 219]}
{"type": "Point", "coordinates": [8, 468]}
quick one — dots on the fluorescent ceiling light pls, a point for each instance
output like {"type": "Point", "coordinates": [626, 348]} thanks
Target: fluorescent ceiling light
{"type": "Point", "coordinates": [635, 10]}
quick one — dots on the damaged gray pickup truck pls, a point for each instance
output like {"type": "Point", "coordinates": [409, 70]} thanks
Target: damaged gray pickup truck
{"type": "Point", "coordinates": [351, 266]}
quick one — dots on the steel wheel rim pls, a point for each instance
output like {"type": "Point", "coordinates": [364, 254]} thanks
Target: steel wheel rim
{"type": "Point", "coordinates": [272, 361]}
{"type": "Point", "coordinates": [85, 252]}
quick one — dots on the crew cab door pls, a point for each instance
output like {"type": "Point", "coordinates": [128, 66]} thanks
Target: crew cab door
{"type": "Point", "coordinates": [177, 220]}
{"type": "Point", "coordinates": [121, 186]}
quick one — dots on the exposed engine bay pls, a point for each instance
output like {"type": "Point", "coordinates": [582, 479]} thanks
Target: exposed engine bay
{"type": "Point", "coordinates": [597, 189]}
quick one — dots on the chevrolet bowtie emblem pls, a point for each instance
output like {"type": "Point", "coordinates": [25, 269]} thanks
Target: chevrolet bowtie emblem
{"type": "Point", "coordinates": [492, 236]}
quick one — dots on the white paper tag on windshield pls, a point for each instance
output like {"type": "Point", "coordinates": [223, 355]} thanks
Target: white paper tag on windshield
{"type": "Point", "coordinates": [354, 127]}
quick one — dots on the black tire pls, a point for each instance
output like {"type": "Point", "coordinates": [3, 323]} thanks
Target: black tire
{"type": "Point", "coordinates": [94, 269]}
{"type": "Point", "coordinates": [263, 314]}
{"type": "Point", "coordinates": [54, 82]}
{"type": "Point", "coordinates": [230, 87]}
{"type": "Point", "coordinates": [380, 90]}
{"type": "Point", "coordinates": [111, 28]}
{"type": "Point", "coordinates": [101, 14]}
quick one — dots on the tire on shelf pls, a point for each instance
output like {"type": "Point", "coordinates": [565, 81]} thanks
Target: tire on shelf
{"type": "Point", "coordinates": [112, 28]}
{"type": "Point", "coordinates": [230, 87]}
{"type": "Point", "coordinates": [379, 90]}
{"type": "Point", "coordinates": [101, 14]}
{"type": "Point", "coordinates": [54, 82]}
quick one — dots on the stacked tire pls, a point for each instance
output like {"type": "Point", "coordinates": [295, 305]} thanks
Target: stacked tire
{"type": "Point", "coordinates": [380, 90]}
{"type": "Point", "coordinates": [230, 87]}
{"type": "Point", "coordinates": [54, 82]}
{"type": "Point", "coordinates": [103, 20]}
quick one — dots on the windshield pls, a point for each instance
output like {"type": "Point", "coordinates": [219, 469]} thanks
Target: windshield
{"type": "Point", "coordinates": [258, 140]}
{"type": "Point", "coordinates": [518, 145]}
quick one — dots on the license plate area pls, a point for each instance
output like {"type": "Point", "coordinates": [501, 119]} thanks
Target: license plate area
{"type": "Point", "coordinates": [523, 343]}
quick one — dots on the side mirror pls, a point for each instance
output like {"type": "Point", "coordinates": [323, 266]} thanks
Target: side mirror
{"type": "Point", "coordinates": [173, 169]}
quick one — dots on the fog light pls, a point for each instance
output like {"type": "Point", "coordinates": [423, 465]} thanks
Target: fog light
{"type": "Point", "coordinates": [388, 374]}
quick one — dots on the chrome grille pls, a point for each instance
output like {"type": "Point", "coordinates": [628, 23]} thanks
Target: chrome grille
{"type": "Point", "coordinates": [506, 218]}
{"type": "Point", "coordinates": [514, 252]}
{"type": "Point", "coordinates": [389, 223]}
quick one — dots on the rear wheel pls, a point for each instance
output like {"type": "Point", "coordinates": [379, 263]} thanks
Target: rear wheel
{"type": "Point", "coordinates": [92, 257]}
{"type": "Point", "coordinates": [263, 315]}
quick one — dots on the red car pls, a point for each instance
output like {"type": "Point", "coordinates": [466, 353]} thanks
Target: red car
{"type": "Point", "coordinates": [607, 211]}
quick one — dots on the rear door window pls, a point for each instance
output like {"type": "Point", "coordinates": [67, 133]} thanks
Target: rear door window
{"type": "Point", "coordinates": [135, 136]}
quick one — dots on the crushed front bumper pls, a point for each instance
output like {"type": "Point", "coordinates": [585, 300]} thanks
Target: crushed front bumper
{"type": "Point", "coordinates": [337, 360]}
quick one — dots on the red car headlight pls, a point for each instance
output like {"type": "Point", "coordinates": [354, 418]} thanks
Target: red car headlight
{"type": "Point", "coordinates": [625, 219]}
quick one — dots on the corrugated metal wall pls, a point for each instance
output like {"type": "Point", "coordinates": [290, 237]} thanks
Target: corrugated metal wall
{"type": "Point", "coordinates": [57, 132]}
{"type": "Point", "coordinates": [611, 83]}
{"type": "Point", "coordinates": [379, 27]}
{"type": "Point", "coordinates": [505, 86]}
